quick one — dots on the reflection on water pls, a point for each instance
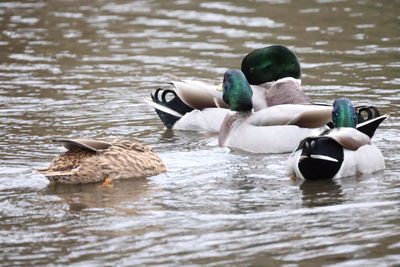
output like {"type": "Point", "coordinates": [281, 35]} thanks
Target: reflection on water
{"type": "Point", "coordinates": [82, 69]}
{"type": "Point", "coordinates": [95, 196]}
{"type": "Point", "coordinates": [321, 193]}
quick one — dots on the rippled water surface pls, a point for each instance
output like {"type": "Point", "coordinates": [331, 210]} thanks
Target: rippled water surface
{"type": "Point", "coordinates": [73, 68]}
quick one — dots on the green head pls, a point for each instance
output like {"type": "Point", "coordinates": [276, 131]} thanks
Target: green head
{"type": "Point", "coordinates": [236, 91]}
{"type": "Point", "coordinates": [270, 63]}
{"type": "Point", "coordinates": [344, 114]}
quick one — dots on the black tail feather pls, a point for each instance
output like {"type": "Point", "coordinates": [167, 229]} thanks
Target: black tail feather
{"type": "Point", "coordinates": [366, 113]}
{"type": "Point", "coordinates": [369, 127]}
{"type": "Point", "coordinates": [175, 103]}
{"type": "Point", "coordinates": [369, 119]}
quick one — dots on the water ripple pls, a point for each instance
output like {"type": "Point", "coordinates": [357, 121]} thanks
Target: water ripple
{"type": "Point", "coordinates": [82, 70]}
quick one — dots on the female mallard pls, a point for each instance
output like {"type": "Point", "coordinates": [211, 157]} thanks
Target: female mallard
{"type": "Point", "coordinates": [98, 160]}
{"type": "Point", "coordinates": [339, 152]}
{"type": "Point", "coordinates": [262, 67]}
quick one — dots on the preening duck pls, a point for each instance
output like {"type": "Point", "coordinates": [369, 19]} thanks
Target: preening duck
{"type": "Point", "coordinates": [98, 160]}
{"type": "Point", "coordinates": [338, 152]}
{"type": "Point", "coordinates": [262, 68]}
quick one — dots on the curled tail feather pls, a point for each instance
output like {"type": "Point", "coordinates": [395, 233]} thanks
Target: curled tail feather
{"type": "Point", "coordinates": [169, 111]}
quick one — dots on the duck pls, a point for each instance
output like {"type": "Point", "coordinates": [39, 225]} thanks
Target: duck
{"type": "Point", "coordinates": [275, 129]}
{"type": "Point", "coordinates": [274, 75]}
{"type": "Point", "coordinates": [102, 160]}
{"type": "Point", "coordinates": [265, 69]}
{"type": "Point", "coordinates": [339, 152]}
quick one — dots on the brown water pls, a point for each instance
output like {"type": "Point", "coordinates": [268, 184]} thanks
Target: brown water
{"type": "Point", "coordinates": [82, 68]}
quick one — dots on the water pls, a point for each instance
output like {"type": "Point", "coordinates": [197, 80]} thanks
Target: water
{"type": "Point", "coordinates": [81, 69]}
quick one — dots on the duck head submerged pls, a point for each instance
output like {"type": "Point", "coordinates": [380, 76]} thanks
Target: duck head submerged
{"type": "Point", "coordinates": [269, 64]}
{"type": "Point", "coordinates": [236, 91]}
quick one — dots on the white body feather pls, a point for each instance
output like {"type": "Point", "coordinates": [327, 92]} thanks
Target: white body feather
{"type": "Point", "coordinates": [267, 139]}
{"type": "Point", "coordinates": [265, 131]}
{"type": "Point", "coordinates": [206, 120]}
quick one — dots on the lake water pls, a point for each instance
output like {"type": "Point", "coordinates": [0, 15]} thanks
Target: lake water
{"type": "Point", "coordinates": [72, 68]}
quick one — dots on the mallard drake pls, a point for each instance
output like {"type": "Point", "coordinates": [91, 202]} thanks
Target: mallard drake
{"type": "Point", "coordinates": [262, 68]}
{"type": "Point", "coordinates": [275, 129]}
{"type": "Point", "coordinates": [99, 160]}
{"type": "Point", "coordinates": [284, 91]}
{"type": "Point", "coordinates": [338, 152]}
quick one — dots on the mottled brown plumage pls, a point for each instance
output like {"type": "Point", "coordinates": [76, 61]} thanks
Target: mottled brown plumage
{"type": "Point", "coordinates": [94, 160]}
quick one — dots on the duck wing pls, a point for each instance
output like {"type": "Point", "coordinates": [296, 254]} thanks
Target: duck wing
{"type": "Point", "coordinates": [198, 94]}
{"type": "Point", "coordinates": [313, 118]}
{"type": "Point", "coordinates": [310, 116]}
{"type": "Point", "coordinates": [349, 138]}
{"type": "Point", "coordinates": [286, 91]}
{"type": "Point", "coordinates": [87, 144]}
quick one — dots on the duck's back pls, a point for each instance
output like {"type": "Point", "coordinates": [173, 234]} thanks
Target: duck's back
{"type": "Point", "coordinates": [117, 159]}
{"type": "Point", "coordinates": [123, 160]}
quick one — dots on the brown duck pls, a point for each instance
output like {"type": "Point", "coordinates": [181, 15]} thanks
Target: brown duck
{"type": "Point", "coordinates": [102, 160]}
